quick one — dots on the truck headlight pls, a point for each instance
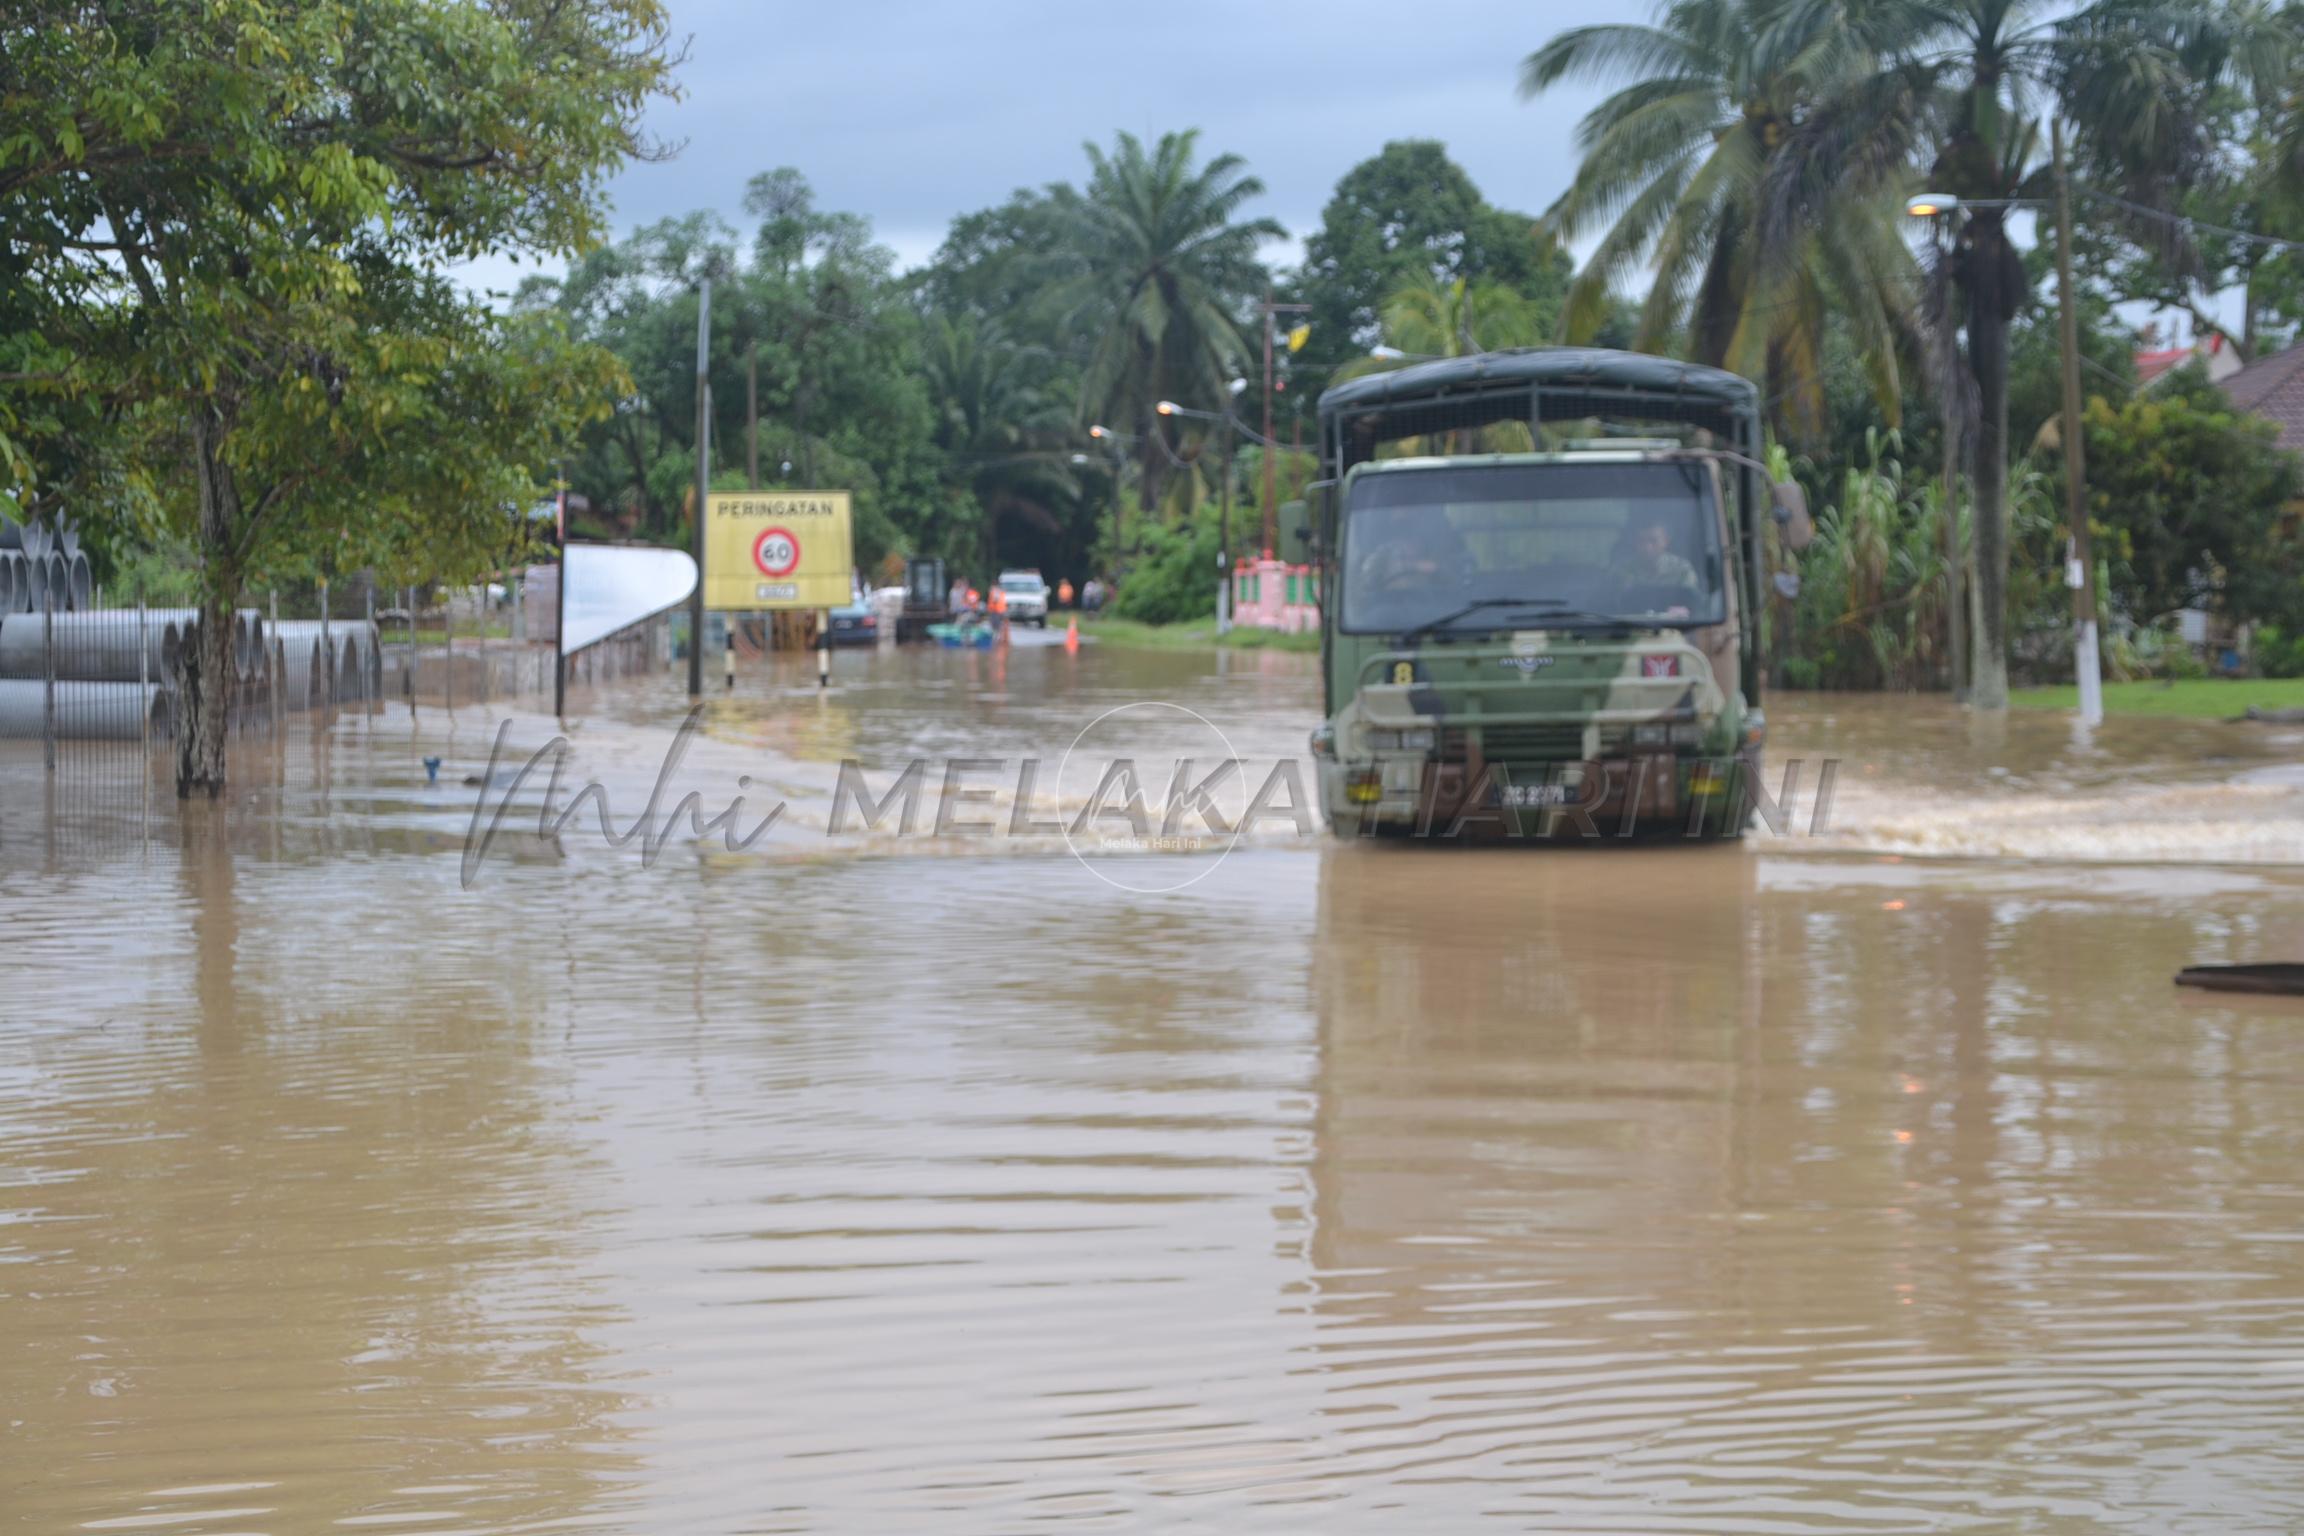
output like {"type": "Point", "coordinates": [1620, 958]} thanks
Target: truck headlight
{"type": "Point", "coordinates": [1755, 729]}
{"type": "Point", "coordinates": [1324, 741]}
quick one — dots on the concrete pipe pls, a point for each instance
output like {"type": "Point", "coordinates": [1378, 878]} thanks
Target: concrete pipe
{"type": "Point", "coordinates": [86, 711]}
{"type": "Point", "coordinates": [307, 661]}
{"type": "Point", "coordinates": [8, 564]}
{"type": "Point", "coordinates": [49, 581]}
{"type": "Point", "coordinates": [80, 583]}
{"type": "Point", "coordinates": [360, 663]}
{"type": "Point", "coordinates": [92, 647]}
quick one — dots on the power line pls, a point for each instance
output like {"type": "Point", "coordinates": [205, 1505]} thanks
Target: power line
{"type": "Point", "coordinates": [2190, 224]}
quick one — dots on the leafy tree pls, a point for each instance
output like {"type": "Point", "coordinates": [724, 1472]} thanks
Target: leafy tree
{"type": "Point", "coordinates": [231, 217]}
{"type": "Point", "coordinates": [2240, 196]}
{"type": "Point", "coordinates": [1011, 263]}
{"type": "Point", "coordinates": [2131, 77]}
{"type": "Point", "coordinates": [2196, 506]}
{"type": "Point", "coordinates": [1406, 216]}
{"type": "Point", "coordinates": [1167, 268]}
{"type": "Point", "coordinates": [2036, 356]}
{"type": "Point", "coordinates": [810, 327]}
{"type": "Point", "coordinates": [1697, 169]}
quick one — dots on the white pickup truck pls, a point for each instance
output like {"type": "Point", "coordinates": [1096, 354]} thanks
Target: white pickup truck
{"type": "Point", "coordinates": [1027, 596]}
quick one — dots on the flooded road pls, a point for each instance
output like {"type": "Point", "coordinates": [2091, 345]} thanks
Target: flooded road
{"type": "Point", "coordinates": [1874, 1181]}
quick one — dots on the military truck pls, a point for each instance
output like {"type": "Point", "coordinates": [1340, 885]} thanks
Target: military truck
{"type": "Point", "coordinates": [1539, 575]}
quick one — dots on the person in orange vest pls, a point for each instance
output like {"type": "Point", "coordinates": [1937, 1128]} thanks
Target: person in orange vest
{"type": "Point", "coordinates": [1064, 593]}
{"type": "Point", "coordinates": [998, 599]}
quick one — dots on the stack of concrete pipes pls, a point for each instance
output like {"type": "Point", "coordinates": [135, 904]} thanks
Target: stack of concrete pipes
{"type": "Point", "coordinates": [320, 663]}
{"type": "Point", "coordinates": [34, 567]}
{"type": "Point", "coordinates": [114, 669]}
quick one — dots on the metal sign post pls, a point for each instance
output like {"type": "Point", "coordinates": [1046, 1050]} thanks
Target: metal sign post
{"type": "Point", "coordinates": [703, 485]}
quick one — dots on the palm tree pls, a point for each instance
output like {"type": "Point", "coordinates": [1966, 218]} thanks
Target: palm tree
{"type": "Point", "coordinates": [1430, 317]}
{"type": "Point", "coordinates": [1166, 267]}
{"type": "Point", "coordinates": [1676, 166]}
{"type": "Point", "coordinates": [1001, 434]}
{"type": "Point", "coordinates": [1962, 85]}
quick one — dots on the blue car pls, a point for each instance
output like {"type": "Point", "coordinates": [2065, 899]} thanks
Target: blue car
{"type": "Point", "coordinates": [855, 624]}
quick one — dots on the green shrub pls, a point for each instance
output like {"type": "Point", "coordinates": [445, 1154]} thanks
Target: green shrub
{"type": "Point", "coordinates": [2276, 654]}
{"type": "Point", "coordinates": [1174, 578]}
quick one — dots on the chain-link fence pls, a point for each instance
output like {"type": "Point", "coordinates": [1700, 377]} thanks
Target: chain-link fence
{"type": "Point", "coordinates": [77, 678]}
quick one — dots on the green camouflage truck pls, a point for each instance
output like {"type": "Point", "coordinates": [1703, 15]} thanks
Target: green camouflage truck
{"type": "Point", "coordinates": [1538, 575]}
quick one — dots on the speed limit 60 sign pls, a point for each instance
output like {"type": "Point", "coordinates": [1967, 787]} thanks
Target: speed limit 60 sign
{"type": "Point", "coordinates": [777, 549]}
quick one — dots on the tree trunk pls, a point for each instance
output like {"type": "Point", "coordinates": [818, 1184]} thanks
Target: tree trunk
{"type": "Point", "coordinates": [1155, 473]}
{"type": "Point", "coordinates": [1992, 295]}
{"type": "Point", "coordinates": [2248, 318]}
{"type": "Point", "coordinates": [1712, 324]}
{"type": "Point", "coordinates": [206, 671]}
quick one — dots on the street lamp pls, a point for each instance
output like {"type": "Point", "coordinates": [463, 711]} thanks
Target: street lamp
{"type": "Point", "coordinates": [1112, 444]}
{"type": "Point", "coordinates": [1224, 514]}
{"type": "Point", "coordinates": [2080, 573]}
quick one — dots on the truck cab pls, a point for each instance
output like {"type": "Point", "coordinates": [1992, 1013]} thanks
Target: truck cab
{"type": "Point", "coordinates": [1545, 627]}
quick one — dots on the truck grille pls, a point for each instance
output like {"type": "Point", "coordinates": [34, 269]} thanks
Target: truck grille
{"type": "Point", "coordinates": [1517, 743]}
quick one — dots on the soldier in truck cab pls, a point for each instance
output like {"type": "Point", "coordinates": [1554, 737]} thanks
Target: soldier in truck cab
{"type": "Point", "coordinates": [1653, 569]}
{"type": "Point", "coordinates": [1409, 550]}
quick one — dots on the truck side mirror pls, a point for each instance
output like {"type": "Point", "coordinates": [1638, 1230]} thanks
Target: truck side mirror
{"type": "Point", "coordinates": [1793, 523]}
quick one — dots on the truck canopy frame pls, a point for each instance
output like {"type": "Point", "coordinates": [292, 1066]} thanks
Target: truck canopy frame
{"type": "Point", "coordinates": [1536, 386]}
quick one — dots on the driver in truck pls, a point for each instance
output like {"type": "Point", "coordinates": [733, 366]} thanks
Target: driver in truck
{"type": "Point", "coordinates": [1410, 550]}
{"type": "Point", "coordinates": [1653, 564]}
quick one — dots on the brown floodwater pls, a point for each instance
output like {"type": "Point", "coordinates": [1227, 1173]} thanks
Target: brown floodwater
{"type": "Point", "coordinates": [1871, 1180]}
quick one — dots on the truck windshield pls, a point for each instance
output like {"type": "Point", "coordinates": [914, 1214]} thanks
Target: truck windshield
{"type": "Point", "coordinates": [1631, 542]}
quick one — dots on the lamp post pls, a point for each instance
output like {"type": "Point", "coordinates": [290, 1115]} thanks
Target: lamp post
{"type": "Point", "coordinates": [1271, 465]}
{"type": "Point", "coordinates": [1224, 512]}
{"type": "Point", "coordinates": [1111, 441]}
{"type": "Point", "coordinates": [2080, 573]}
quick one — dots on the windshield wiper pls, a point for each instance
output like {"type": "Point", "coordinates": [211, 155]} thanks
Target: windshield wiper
{"type": "Point", "coordinates": [1477, 605]}
{"type": "Point", "coordinates": [1552, 608]}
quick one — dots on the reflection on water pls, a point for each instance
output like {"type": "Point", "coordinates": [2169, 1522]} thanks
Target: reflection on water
{"type": "Point", "coordinates": [1353, 1188]}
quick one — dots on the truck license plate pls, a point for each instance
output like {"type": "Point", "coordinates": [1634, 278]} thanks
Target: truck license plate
{"type": "Point", "coordinates": [1532, 796]}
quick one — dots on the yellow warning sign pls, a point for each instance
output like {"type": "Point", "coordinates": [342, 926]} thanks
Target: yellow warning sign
{"type": "Point", "coordinates": [778, 549]}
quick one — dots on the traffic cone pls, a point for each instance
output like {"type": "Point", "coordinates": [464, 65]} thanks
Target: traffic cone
{"type": "Point", "coordinates": [1072, 634]}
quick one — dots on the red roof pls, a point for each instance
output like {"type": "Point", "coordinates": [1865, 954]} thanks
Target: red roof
{"type": "Point", "coordinates": [2150, 365]}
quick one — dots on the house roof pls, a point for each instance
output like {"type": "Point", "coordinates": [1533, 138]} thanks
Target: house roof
{"type": "Point", "coordinates": [2273, 387]}
{"type": "Point", "coordinates": [2150, 365]}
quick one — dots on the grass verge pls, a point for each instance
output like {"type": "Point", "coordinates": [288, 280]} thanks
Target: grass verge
{"type": "Point", "coordinates": [2192, 698]}
{"type": "Point", "coordinates": [1200, 635]}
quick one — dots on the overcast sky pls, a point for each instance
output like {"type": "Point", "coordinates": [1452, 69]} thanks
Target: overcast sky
{"type": "Point", "coordinates": [911, 112]}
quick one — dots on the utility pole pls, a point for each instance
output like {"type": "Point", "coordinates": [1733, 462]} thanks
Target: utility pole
{"type": "Point", "coordinates": [560, 606]}
{"type": "Point", "coordinates": [1224, 542]}
{"type": "Point", "coordinates": [2081, 574]}
{"type": "Point", "coordinates": [1271, 449]}
{"type": "Point", "coordinates": [703, 486]}
{"type": "Point", "coordinates": [752, 419]}
{"type": "Point", "coordinates": [1955, 590]}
